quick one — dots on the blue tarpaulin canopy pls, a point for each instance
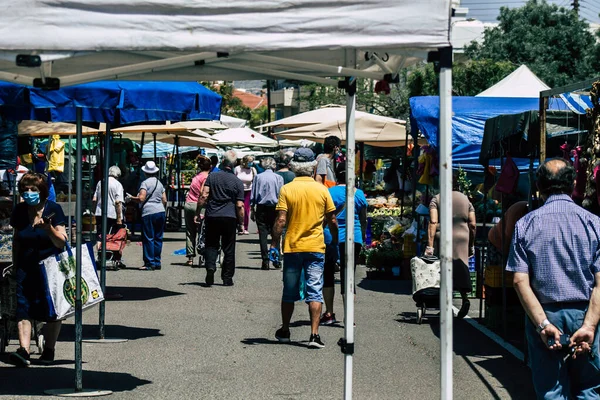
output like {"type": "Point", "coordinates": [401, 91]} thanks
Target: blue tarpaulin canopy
{"type": "Point", "coordinates": [164, 149]}
{"type": "Point", "coordinates": [468, 121]}
{"type": "Point", "coordinates": [115, 102]}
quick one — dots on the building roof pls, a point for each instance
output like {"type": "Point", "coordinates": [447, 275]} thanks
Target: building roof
{"type": "Point", "coordinates": [250, 100]}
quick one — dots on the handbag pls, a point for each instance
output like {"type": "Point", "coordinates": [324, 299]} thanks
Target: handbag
{"type": "Point", "coordinates": [59, 274]}
{"type": "Point", "coordinates": [173, 219]}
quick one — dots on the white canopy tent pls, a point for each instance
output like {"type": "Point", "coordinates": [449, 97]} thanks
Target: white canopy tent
{"type": "Point", "coordinates": [237, 137]}
{"type": "Point", "coordinates": [520, 83]}
{"type": "Point", "coordinates": [71, 43]}
{"type": "Point", "coordinates": [232, 122]}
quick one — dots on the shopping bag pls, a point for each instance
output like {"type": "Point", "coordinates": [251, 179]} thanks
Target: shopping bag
{"type": "Point", "coordinates": [425, 273]}
{"type": "Point", "coordinates": [59, 273]}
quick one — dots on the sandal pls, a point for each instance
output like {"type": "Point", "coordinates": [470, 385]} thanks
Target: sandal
{"type": "Point", "coordinates": [144, 268]}
{"type": "Point", "coordinates": [190, 262]}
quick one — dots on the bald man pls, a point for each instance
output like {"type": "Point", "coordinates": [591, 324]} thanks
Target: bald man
{"type": "Point", "coordinates": [555, 255]}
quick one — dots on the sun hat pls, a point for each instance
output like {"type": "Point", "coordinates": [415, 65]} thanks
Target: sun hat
{"type": "Point", "coordinates": [304, 154]}
{"type": "Point", "coordinates": [150, 167]}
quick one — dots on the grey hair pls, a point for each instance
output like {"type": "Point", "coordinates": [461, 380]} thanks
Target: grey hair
{"type": "Point", "coordinates": [268, 163]}
{"type": "Point", "coordinates": [303, 168]}
{"type": "Point", "coordinates": [229, 159]}
{"type": "Point", "coordinates": [114, 171]}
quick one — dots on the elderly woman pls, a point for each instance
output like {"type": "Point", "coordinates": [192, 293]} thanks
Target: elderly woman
{"type": "Point", "coordinates": [152, 199]}
{"type": "Point", "coordinates": [39, 232]}
{"type": "Point", "coordinates": [191, 210]}
{"type": "Point", "coordinates": [114, 212]}
{"type": "Point", "coordinates": [463, 239]}
{"type": "Point", "coordinates": [265, 192]}
{"type": "Point", "coordinates": [246, 173]}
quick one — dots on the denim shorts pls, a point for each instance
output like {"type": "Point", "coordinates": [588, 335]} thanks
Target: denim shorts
{"type": "Point", "coordinates": [309, 264]}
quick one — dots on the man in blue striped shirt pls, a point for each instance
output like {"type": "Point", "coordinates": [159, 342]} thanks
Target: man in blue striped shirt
{"type": "Point", "coordinates": [265, 193]}
{"type": "Point", "coordinates": [555, 256]}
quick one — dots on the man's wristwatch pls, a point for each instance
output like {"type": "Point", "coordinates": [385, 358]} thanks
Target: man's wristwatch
{"type": "Point", "coordinates": [542, 326]}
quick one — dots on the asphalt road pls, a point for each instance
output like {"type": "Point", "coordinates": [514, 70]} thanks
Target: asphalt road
{"type": "Point", "coordinates": [188, 341]}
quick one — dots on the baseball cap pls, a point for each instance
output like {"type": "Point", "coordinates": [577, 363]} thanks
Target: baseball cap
{"type": "Point", "coordinates": [304, 154]}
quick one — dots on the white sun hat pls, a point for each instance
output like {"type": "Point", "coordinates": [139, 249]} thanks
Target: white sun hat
{"type": "Point", "coordinates": [150, 167]}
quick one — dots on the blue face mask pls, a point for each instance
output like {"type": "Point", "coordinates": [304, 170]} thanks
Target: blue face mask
{"type": "Point", "coordinates": [31, 198]}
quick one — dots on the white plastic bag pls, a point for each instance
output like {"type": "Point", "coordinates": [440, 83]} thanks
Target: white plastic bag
{"type": "Point", "coordinates": [60, 280]}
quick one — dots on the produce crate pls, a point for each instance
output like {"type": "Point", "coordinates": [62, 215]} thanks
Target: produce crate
{"type": "Point", "coordinates": [515, 318]}
{"type": "Point", "coordinates": [409, 248]}
{"type": "Point", "coordinates": [493, 296]}
{"type": "Point", "coordinates": [493, 276]}
{"type": "Point", "coordinates": [473, 293]}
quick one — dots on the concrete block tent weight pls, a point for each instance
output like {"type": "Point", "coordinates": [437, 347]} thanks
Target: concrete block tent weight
{"type": "Point", "coordinates": [372, 39]}
{"type": "Point", "coordinates": [112, 103]}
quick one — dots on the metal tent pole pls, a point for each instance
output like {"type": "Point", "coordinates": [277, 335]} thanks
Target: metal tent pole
{"type": "Point", "coordinates": [445, 221]}
{"type": "Point", "coordinates": [104, 193]}
{"type": "Point", "coordinates": [154, 136]}
{"type": "Point", "coordinates": [347, 343]}
{"type": "Point", "coordinates": [78, 391]}
{"type": "Point", "coordinates": [70, 190]}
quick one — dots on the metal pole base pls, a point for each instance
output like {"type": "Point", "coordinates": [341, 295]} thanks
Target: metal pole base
{"type": "Point", "coordinates": [105, 340]}
{"type": "Point", "coordinates": [77, 393]}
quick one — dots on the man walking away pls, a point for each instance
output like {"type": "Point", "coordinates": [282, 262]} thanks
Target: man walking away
{"type": "Point", "coordinates": [265, 192]}
{"type": "Point", "coordinates": [326, 161]}
{"type": "Point", "coordinates": [223, 195]}
{"type": "Point", "coordinates": [555, 256]}
{"type": "Point", "coordinates": [283, 164]}
{"type": "Point", "coordinates": [303, 205]}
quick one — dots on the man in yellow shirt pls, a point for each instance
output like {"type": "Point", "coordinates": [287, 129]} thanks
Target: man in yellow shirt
{"type": "Point", "coordinates": [303, 206]}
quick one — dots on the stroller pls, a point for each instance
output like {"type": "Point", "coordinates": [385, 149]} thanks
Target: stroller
{"type": "Point", "coordinates": [8, 308]}
{"type": "Point", "coordinates": [116, 240]}
{"type": "Point", "coordinates": [426, 284]}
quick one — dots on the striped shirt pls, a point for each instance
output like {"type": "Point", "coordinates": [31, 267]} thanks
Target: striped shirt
{"type": "Point", "coordinates": [558, 245]}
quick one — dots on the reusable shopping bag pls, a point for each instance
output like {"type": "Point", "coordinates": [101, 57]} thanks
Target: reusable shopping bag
{"type": "Point", "coordinates": [59, 271]}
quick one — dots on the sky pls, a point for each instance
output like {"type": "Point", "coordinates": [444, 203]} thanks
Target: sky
{"type": "Point", "coordinates": [487, 10]}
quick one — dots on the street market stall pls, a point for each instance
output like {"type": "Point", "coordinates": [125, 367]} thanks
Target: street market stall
{"type": "Point", "coordinates": [264, 39]}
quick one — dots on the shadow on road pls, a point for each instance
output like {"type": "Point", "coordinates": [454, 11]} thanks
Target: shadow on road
{"type": "Point", "coordinates": [386, 286]}
{"type": "Point", "coordinates": [480, 352]}
{"type": "Point", "coordinates": [34, 381]}
{"type": "Point", "coordinates": [248, 241]}
{"type": "Point", "coordinates": [67, 333]}
{"type": "Point", "coordinates": [141, 293]}
{"type": "Point", "coordinates": [255, 341]}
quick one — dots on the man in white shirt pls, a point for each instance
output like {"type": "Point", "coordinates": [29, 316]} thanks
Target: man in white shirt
{"type": "Point", "coordinates": [114, 211]}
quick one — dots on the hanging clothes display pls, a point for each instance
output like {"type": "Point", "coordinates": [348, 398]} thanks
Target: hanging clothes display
{"type": "Point", "coordinates": [56, 155]}
{"type": "Point", "coordinates": [580, 165]}
{"type": "Point", "coordinates": [8, 144]}
{"type": "Point", "coordinates": [426, 166]}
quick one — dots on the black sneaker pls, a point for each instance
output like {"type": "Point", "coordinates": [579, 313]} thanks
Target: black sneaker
{"type": "Point", "coordinates": [283, 336]}
{"type": "Point", "coordinates": [277, 265]}
{"type": "Point", "coordinates": [210, 277]}
{"type": "Point", "coordinates": [228, 282]}
{"type": "Point", "coordinates": [315, 342]}
{"type": "Point", "coordinates": [464, 309]}
{"type": "Point", "coordinates": [20, 358]}
{"type": "Point", "coordinates": [265, 266]}
{"type": "Point", "coordinates": [47, 357]}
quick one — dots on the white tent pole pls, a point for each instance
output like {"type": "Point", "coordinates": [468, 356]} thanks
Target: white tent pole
{"type": "Point", "coordinates": [16, 78]}
{"type": "Point", "coordinates": [135, 69]}
{"type": "Point", "coordinates": [445, 221]}
{"type": "Point", "coordinates": [349, 289]}
{"type": "Point", "coordinates": [274, 72]}
{"type": "Point", "coordinates": [313, 66]}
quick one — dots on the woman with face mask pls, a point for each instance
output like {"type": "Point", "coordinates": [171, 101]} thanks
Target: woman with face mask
{"type": "Point", "coordinates": [246, 173]}
{"type": "Point", "coordinates": [39, 232]}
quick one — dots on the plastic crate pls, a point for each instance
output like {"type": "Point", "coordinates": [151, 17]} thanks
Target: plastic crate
{"type": "Point", "coordinates": [515, 318]}
{"type": "Point", "coordinates": [493, 276]}
{"type": "Point", "coordinates": [473, 293]}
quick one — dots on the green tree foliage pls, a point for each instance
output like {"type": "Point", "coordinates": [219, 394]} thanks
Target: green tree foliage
{"type": "Point", "coordinates": [233, 106]}
{"type": "Point", "coordinates": [552, 41]}
{"type": "Point", "coordinates": [468, 79]}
